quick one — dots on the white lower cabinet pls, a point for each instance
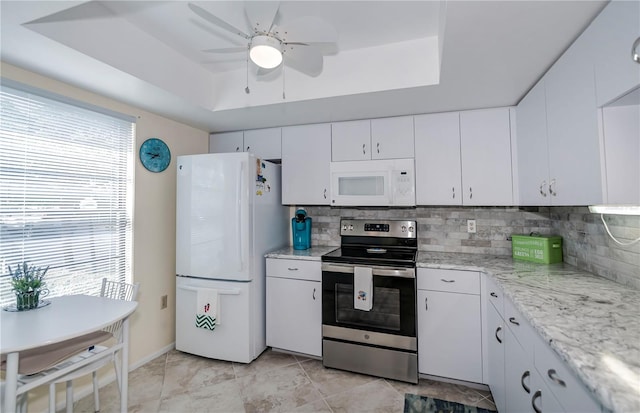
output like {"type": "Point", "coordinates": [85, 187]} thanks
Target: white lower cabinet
{"type": "Point", "coordinates": [294, 306]}
{"type": "Point", "coordinates": [449, 324]}
{"type": "Point", "coordinates": [496, 356]}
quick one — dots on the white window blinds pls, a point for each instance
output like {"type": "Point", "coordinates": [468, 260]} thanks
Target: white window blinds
{"type": "Point", "coordinates": [66, 178]}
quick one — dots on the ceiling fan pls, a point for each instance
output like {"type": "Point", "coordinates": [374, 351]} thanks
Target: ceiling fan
{"type": "Point", "coordinates": [298, 44]}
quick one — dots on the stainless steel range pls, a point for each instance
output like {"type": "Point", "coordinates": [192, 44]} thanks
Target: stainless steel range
{"type": "Point", "coordinates": [369, 300]}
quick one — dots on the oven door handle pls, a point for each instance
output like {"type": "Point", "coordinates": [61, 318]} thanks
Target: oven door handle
{"type": "Point", "coordinates": [385, 272]}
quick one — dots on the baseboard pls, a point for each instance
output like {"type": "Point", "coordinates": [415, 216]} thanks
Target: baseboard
{"type": "Point", "coordinates": [111, 377]}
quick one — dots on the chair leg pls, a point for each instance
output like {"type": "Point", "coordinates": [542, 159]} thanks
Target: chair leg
{"type": "Point", "coordinates": [70, 396]}
{"type": "Point", "coordinates": [52, 398]}
{"type": "Point", "coordinates": [96, 397]}
{"type": "Point", "coordinates": [116, 366]}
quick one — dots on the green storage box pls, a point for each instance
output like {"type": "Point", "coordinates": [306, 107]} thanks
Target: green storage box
{"type": "Point", "coordinates": [545, 249]}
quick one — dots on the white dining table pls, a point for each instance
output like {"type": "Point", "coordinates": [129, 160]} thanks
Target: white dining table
{"type": "Point", "coordinates": [64, 318]}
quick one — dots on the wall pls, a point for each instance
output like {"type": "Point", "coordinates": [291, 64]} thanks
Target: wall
{"type": "Point", "coordinates": [152, 331]}
{"type": "Point", "coordinates": [585, 242]}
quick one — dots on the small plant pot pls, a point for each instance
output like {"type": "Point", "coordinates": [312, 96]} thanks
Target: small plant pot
{"type": "Point", "coordinates": [29, 300]}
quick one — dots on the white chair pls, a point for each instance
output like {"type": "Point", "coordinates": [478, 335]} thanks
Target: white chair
{"type": "Point", "coordinates": [110, 289]}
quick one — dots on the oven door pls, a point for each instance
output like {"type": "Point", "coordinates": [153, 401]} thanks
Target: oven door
{"type": "Point", "coordinates": [391, 322]}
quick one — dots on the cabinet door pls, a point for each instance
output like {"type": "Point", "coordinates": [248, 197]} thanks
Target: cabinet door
{"type": "Point", "coordinates": [533, 156]}
{"type": "Point", "coordinates": [449, 331]}
{"type": "Point", "coordinates": [485, 141]}
{"type": "Point", "coordinates": [621, 142]}
{"type": "Point", "coordinates": [616, 28]}
{"type": "Point", "coordinates": [294, 315]}
{"type": "Point", "coordinates": [495, 353]}
{"type": "Point", "coordinates": [351, 141]}
{"type": "Point", "coordinates": [306, 154]}
{"type": "Point", "coordinates": [438, 171]}
{"type": "Point", "coordinates": [572, 127]}
{"type": "Point", "coordinates": [263, 143]}
{"type": "Point", "coordinates": [518, 368]}
{"type": "Point", "coordinates": [226, 142]}
{"type": "Point", "coordinates": [392, 138]}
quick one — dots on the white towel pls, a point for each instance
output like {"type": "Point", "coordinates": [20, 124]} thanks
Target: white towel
{"type": "Point", "coordinates": [207, 314]}
{"type": "Point", "coordinates": [362, 289]}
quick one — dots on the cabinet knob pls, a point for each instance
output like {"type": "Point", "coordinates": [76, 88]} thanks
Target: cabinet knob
{"type": "Point", "coordinates": [635, 55]}
{"type": "Point", "coordinates": [536, 396]}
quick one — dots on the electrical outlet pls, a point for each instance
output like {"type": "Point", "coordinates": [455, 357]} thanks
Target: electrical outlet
{"type": "Point", "coordinates": [163, 302]}
{"type": "Point", "coordinates": [471, 226]}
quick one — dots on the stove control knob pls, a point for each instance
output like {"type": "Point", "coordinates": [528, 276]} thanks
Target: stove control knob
{"type": "Point", "coordinates": [344, 227]}
{"type": "Point", "coordinates": [350, 227]}
{"type": "Point", "coordinates": [404, 228]}
{"type": "Point", "coordinates": [410, 229]}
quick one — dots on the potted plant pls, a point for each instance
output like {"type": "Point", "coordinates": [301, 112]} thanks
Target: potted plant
{"type": "Point", "coordinates": [28, 283]}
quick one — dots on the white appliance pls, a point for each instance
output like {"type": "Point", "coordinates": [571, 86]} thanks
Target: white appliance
{"type": "Point", "coordinates": [228, 215]}
{"type": "Point", "coordinates": [387, 182]}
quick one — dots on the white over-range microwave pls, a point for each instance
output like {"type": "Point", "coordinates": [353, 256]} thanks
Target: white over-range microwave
{"type": "Point", "coordinates": [387, 182]}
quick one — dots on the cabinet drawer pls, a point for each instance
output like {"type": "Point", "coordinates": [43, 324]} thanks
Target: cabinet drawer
{"type": "Point", "coordinates": [467, 282]}
{"type": "Point", "coordinates": [494, 294]}
{"type": "Point", "coordinates": [521, 329]}
{"type": "Point", "coordinates": [295, 269]}
{"type": "Point", "coordinates": [568, 389]}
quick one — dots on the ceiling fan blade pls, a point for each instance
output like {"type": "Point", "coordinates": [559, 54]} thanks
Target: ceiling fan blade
{"type": "Point", "coordinates": [217, 21]}
{"type": "Point", "coordinates": [307, 30]}
{"type": "Point", "coordinates": [227, 50]}
{"type": "Point", "coordinates": [303, 58]}
{"type": "Point", "coordinates": [261, 14]}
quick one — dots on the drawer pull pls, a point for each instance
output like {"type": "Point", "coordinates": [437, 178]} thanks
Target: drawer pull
{"type": "Point", "coordinates": [292, 269]}
{"type": "Point", "coordinates": [426, 307]}
{"type": "Point", "coordinates": [447, 281]}
{"type": "Point", "coordinates": [553, 376]}
{"type": "Point", "coordinates": [494, 295]}
{"type": "Point", "coordinates": [537, 395]}
{"type": "Point", "coordinates": [512, 320]}
{"type": "Point", "coordinates": [314, 294]}
{"type": "Point", "coordinates": [497, 331]}
{"type": "Point", "coordinates": [525, 375]}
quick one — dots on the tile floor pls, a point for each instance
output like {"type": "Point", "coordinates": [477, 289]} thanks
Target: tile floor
{"type": "Point", "coordinates": [275, 382]}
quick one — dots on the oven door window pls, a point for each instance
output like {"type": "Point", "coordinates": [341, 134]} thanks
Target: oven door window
{"type": "Point", "coordinates": [385, 313]}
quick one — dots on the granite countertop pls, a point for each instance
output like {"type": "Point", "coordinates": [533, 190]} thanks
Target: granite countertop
{"type": "Point", "coordinates": [590, 322]}
{"type": "Point", "coordinates": [312, 254]}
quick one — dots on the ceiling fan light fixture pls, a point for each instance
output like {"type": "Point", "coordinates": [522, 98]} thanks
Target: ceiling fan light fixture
{"type": "Point", "coordinates": [266, 51]}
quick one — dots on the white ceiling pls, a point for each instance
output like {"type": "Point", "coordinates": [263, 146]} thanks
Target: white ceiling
{"type": "Point", "coordinates": [391, 57]}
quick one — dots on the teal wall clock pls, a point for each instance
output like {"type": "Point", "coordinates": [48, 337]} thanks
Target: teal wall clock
{"type": "Point", "coordinates": [155, 155]}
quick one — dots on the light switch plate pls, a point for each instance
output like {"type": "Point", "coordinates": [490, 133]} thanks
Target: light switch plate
{"type": "Point", "coordinates": [471, 226]}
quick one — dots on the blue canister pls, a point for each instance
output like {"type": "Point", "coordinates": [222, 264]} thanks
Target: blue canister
{"type": "Point", "coordinates": [301, 230]}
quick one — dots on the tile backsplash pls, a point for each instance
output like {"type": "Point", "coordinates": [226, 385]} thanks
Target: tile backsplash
{"type": "Point", "coordinates": [444, 229]}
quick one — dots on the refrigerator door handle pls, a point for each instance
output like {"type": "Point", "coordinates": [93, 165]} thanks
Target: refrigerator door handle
{"type": "Point", "coordinates": [239, 193]}
{"type": "Point", "coordinates": [233, 291]}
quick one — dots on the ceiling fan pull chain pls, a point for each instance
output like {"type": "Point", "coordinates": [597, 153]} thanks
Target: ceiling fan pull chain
{"type": "Point", "coordinates": [283, 72]}
{"type": "Point", "coordinates": [246, 89]}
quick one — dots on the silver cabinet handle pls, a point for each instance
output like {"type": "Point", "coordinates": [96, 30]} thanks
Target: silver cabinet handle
{"type": "Point", "coordinates": [453, 191]}
{"type": "Point", "coordinates": [553, 375]}
{"type": "Point", "coordinates": [635, 55]}
{"type": "Point", "coordinates": [447, 281]}
{"type": "Point", "coordinates": [426, 307]}
{"type": "Point", "coordinates": [314, 294]}
{"type": "Point", "coordinates": [512, 320]}
{"type": "Point", "coordinates": [497, 331]}
{"type": "Point", "coordinates": [292, 269]}
{"type": "Point", "coordinates": [470, 192]}
{"type": "Point", "coordinates": [363, 152]}
{"type": "Point", "coordinates": [378, 147]}
{"type": "Point", "coordinates": [542, 185]}
{"type": "Point", "coordinates": [537, 395]}
{"type": "Point", "coordinates": [551, 185]}
{"type": "Point", "coordinates": [493, 294]}
{"type": "Point", "coordinates": [525, 375]}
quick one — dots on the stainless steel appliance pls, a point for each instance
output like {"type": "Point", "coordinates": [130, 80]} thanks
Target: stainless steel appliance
{"type": "Point", "coordinates": [371, 328]}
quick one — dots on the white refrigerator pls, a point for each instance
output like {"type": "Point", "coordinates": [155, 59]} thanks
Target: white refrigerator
{"type": "Point", "coordinates": [228, 215]}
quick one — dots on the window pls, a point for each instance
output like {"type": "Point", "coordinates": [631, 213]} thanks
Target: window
{"type": "Point", "coordinates": [66, 179]}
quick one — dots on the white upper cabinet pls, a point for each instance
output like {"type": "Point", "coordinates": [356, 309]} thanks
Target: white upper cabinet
{"type": "Point", "coordinates": [264, 143]}
{"type": "Point", "coordinates": [306, 155]}
{"type": "Point", "coordinates": [438, 170]}
{"type": "Point", "coordinates": [533, 156]}
{"type": "Point", "coordinates": [572, 128]}
{"type": "Point", "coordinates": [485, 142]}
{"type": "Point", "coordinates": [615, 30]}
{"type": "Point", "coordinates": [360, 140]}
{"type": "Point", "coordinates": [392, 138]}
{"type": "Point", "coordinates": [226, 142]}
{"type": "Point", "coordinates": [351, 140]}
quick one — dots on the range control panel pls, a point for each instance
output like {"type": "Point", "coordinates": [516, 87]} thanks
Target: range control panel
{"type": "Point", "coordinates": [378, 228]}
